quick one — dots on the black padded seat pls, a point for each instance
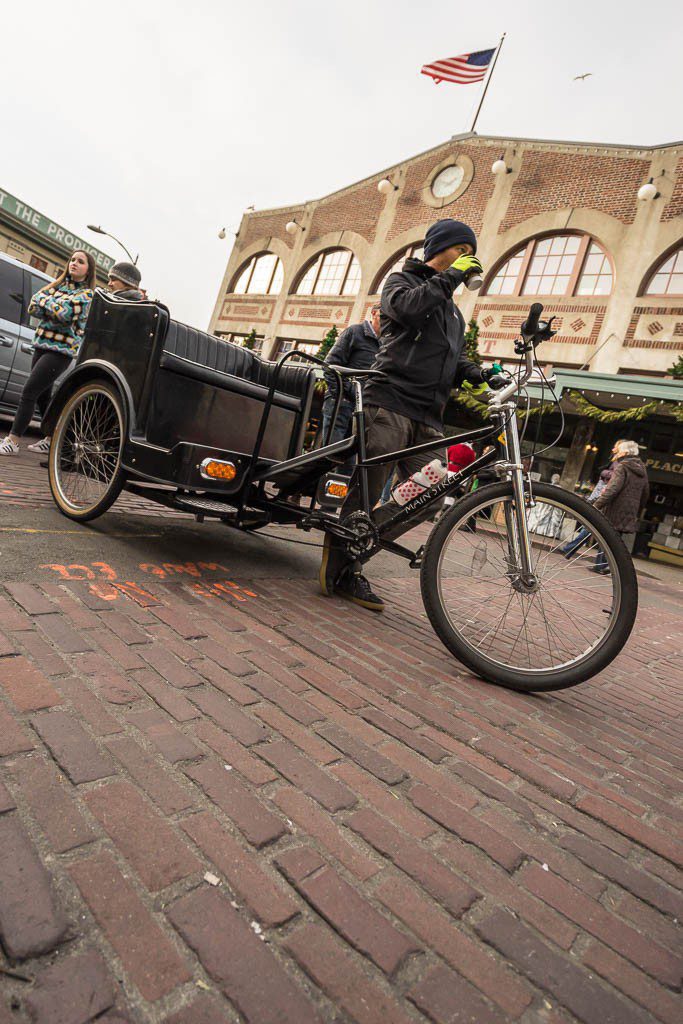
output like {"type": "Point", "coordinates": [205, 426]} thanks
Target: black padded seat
{"type": "Point", "coordinates": [193, 346]}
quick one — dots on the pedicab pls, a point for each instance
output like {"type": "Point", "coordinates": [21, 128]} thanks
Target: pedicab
{"type": "Point", "coordinates": [201, 425]}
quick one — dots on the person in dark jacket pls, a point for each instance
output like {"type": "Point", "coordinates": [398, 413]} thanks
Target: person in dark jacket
{"type": "Point", "coordinates": [624, 498]}
{"type": "Point", "coordinates": [419, 361]}
{"type": "Point", "coordinates": [124, 282]}
{"type": "Point", "coordinates": [355, 348]}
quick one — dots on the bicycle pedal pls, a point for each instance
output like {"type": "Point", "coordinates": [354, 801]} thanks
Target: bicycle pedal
{"type": "Point", "coordinates": [416, 561]}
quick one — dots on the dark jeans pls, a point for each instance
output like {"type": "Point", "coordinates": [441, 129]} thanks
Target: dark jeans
{"type": "Point", "coordinates": [342, 427]}
{"type": "Point", "coordinates": [601, 557]}
{"type": "Point", "coordinates": [575, 543]}
{"type": "Point", "coordinates": [386, 432]}
{"type": "Point", "coordinates": [45, 368]}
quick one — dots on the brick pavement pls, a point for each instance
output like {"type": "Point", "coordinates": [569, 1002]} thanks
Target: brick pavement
{"type": "Point", "coordinates": [253, 804]}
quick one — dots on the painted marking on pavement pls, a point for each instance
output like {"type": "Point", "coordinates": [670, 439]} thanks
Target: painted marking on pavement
{"type": "Point", "coordinates": [103, 580]}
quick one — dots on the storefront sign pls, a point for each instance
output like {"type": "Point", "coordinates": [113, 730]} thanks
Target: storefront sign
{"type": "Point", "coordinates": [27, 216]}
{"type": "Point", "coordinates": [669, 468]}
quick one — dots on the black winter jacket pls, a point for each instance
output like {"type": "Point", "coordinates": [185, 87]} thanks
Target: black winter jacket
{"type": "Point", "coordinates": [421, 344]}
{"type": "Point", "coordinates": [355, 348]}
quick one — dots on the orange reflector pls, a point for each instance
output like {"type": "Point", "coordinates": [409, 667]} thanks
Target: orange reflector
{"type": "Point", "coordinates": [336, 490]}
{"type": "Point", "coordinates": [219, 470]}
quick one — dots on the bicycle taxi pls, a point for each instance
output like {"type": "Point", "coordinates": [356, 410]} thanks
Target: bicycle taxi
{"type": "Point", "coordinates": [201, 425]}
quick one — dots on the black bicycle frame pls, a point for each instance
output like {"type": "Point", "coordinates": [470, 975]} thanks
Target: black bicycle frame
{"type": "Point", "coordinates": [433, 494]}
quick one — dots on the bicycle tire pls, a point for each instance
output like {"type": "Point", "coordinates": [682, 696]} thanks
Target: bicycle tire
{"type": "Point", "coordinates": [515, 677]}
{"type": "Point", "coordinates": [111, 476]}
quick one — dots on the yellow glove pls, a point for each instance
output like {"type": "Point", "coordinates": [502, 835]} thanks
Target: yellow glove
{"type": "Point", "coordinates": [475, 390]}
{"type": "Point", "coordinates": [467, 265]}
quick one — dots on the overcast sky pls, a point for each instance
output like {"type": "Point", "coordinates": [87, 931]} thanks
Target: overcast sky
{"type": "Point", "coordinates": [164, 120]}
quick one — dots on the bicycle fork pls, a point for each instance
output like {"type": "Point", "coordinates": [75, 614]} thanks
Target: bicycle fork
{"type": "Point", "coordinates": [520, 563]}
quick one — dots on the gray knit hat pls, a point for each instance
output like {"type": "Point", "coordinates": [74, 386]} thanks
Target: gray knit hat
{"type": "Point", "coordinates": [126, 272]}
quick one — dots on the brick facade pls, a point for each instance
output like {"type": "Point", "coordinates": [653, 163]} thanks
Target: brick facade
{"type": "Point", "coordinates": [355, 209]}
{"type": "Point", "coordinates": [551, 188]}
{"type": "Point", "coordinates": [550, 181]}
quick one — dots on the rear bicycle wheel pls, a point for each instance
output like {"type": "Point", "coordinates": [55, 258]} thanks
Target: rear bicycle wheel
{"type": "Point", "coordinates": [84, 464]}
{"type": "Point", "coordinates": [559, 630]}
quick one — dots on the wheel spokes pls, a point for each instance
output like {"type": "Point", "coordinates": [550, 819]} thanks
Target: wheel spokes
{"type": "Point", "coordinates": [559, 618]}
{"type": "Point", "coordinates": [87, 450]}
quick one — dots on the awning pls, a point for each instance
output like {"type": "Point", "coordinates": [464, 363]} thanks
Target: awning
{"type": "Point", "coordinates": [612, 391]}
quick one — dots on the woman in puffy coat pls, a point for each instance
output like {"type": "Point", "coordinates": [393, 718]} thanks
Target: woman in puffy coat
{"type": "Point", "coordinates": [62, 310]}
{"type": "Point", "coordinates": [626, 495]}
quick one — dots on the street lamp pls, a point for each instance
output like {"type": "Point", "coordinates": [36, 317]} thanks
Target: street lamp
{"type": "Point", "coordinates": [101, 231]}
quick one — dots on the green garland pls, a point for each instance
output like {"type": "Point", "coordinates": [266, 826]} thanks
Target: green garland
{"type": "Point", "coordinates": [482, 411]}
{"type": "Point", "coordinates": [584, 407]}
{"type": "Point", "coordinates": [593, 412]}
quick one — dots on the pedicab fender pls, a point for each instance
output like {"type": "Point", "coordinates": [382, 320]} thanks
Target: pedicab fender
{"type": "Point", "coordinates": [91, 369]}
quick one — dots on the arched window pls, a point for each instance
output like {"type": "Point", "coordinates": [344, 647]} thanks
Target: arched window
{"type": "Point", "coordinates": [335, 272]}
{"type": "Point", "coordinates": [668, 277]}
{"type": "Point", "coordinates": [397, 263]}
{"type": "Point", "coordinates": [558, 265]}
{"type": "Point", "coordinates": [262, 275]}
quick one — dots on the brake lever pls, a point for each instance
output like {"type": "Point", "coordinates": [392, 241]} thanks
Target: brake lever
{"type": "Point", "coordinates": [544, 331]}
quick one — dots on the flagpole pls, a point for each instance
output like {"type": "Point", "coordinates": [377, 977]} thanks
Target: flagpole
{"type": "Point", "coordinates": [488, 79]}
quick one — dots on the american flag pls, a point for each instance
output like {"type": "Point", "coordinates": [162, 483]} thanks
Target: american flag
{"type": "Point", "coordinates": [468, 67]}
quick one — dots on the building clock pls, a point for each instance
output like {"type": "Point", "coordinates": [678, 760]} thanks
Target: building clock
{"type": "Point", "coordinates": [447, 181]}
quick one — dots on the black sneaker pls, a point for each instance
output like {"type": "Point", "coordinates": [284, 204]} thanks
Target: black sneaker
{"type": "Point", "coordinates": [354, 587]}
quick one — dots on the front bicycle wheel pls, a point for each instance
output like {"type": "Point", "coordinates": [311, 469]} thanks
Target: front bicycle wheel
{"type": "Point", "coordinates": [557, 629]}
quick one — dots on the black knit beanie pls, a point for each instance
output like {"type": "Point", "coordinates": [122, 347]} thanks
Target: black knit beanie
{"type": "Point", "coordinates": [126, 272]}
{"type": "Point", "coordinates": [445, 233]}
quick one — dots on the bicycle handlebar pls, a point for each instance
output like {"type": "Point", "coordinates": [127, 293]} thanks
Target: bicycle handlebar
{"type": "Point", "coordinates": [530, 325]}
{"type": "Point", "coordinates": [528, 330]}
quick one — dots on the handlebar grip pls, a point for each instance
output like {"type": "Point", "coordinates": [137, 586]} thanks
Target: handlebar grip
{"type": "Point", "coordinates": [530, 325]}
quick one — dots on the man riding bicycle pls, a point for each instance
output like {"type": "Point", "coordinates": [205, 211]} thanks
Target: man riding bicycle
{"type": "Point", "coordinates": [420, 360]}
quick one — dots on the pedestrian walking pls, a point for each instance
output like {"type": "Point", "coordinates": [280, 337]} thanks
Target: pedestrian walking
{"type": "Point", "coordinates": [625, 496]}
{"type": "Point", "coordinates": [124, 282]}
{"type": "Point", "coordinates": [62, 310]}
{"type": "Point", "coordinates": [580, 538]}
{"type": "Point", "coordinates": [356, 349]}
{"type": "Point", "coordinates": [421, 358]}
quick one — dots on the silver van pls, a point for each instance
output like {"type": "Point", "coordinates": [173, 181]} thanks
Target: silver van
{"type": "Point", "coordinates": [18, 283]}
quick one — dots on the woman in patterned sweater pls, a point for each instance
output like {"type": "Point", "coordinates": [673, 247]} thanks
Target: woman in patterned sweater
{"type": "Point", "coordinates": [62, 309]}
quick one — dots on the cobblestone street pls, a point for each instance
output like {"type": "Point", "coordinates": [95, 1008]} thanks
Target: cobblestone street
{"type": "Point", "coordinates": [225, 798]}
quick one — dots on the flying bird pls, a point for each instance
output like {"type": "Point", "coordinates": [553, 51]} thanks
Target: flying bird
{"type": "Point", "coordinates": [580, 78]}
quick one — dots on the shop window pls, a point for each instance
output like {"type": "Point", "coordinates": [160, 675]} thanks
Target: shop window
{"type": "Point", "coordinates": [335, 272]}
{"type": "Point", "coordinates": [289, 344]}
{"type": "Point", "coordinates": [555, 265]}
{"type": "Point", "coordinates": [239, 339]}
{"type": "Point", "coordinates": [660, 441]}
{"type": "Point", "coordinates": [668, 277]}
{"type": "Point", "coordinates": [262, 275]}
{"type": "Point", "coordinates": [39, 264]}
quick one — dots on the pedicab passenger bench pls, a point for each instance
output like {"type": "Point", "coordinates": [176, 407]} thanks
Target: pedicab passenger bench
{"type": "Point", "coordinates": [191, 395]}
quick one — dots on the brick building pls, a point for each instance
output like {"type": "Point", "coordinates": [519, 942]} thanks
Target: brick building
{"type": "Point", "coordinates": [561, 222]}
